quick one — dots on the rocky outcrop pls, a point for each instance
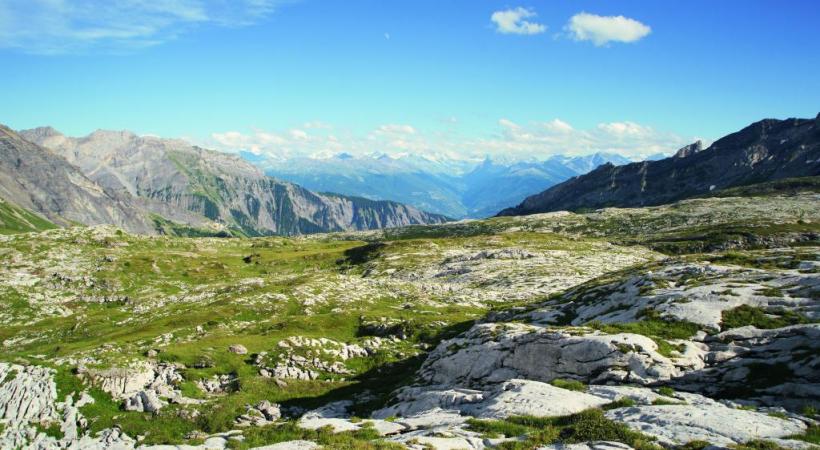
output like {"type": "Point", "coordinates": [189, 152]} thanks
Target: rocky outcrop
{"type": "Point", "coordinates": [28, 399]}
{"type": "Point", "coordinates": [302, 358]}
{"type": "Point", "coordinates": [764, 151]}
{"type": "Point", "coordinates": [769, 367]}
{"type": "Point", "coordinates": [695, 292]}
{"type": "Point", "coordinates": [261, 414]}
{"type": "Point", "coordinates": [143, 386]}
{"type": "Point", "coordinates": [710, 422]}
{"type": "Point", "coordinates": [510, 398]}
{"type": "Point", "coordinates": [27, 393]}
{"type": "Point", "coordinates": [723, 387]}
{"type": "Point", "coordinates": [492, 353]}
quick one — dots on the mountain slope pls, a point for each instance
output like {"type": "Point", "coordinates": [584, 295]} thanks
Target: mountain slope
{"type": "Point", "coordinates": [764, 151]}
{"type": "Point", "coordinates": [14, 219]}
{"type": "Point", "coordinates": [38, 180]}
{"type": "Point", "coordinates": [492, 186]}
{"type": "Point", "coordinates": [200, 188]}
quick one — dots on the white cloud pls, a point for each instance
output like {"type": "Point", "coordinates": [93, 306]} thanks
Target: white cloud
{"type": "Point", "coordinates": [602, 30]}
{"type": "Point", "coordinates": [625, 129]}
{"type": "Point", "coordinates": [558, 126]}
{"type": "Point", "coordinates": [508, 124]}
{"type": "Point", "coordinates": [510, 141]}
{"type": "Point", "coordinates": [513, 21]}
{"type": "Point", "coordinates": [298, 135]}
{"type": "Point", "coordinates": [76, 26]}
{"type": "Point", "coordinates": [397, 129]}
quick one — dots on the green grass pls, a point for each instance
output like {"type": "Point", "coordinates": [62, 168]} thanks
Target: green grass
{"type": "Point", "coordinates": [14, 219]}
{"type": "Point", "coordinates": [812, 435]}
{"type": "Point", "coordinates": [652, 326]}
{"type": "Point", "coordinates": [572, 385]}
{"type": "Point", "coordinates": [589, 425]}
{"type": "Point", "coordinates": [757, 317]}
{"type": "Point", "coordinates": [170, 228]}
{"type": "Point", "coordinates": [759, 444]}
{"type": "Point", "coordinates": [365, 438]}
{"type": "Point", "coordinates": [666, 391]}
{"type": "Point", "coordinates": [497, 428]}
{"type": "Point", "coordinates": [50, 429]}
{"type": "Point", "coordinates": [624, 402]}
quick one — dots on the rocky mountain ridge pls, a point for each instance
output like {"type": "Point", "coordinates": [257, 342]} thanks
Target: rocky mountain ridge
{"type": "Point", "coordinates": [172, 182]}
{"type": "Point", "coordinates": [767, 150]}
{"type": "Point", "coordinates": [38, 180]}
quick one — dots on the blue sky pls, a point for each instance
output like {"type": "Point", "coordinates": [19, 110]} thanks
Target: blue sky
{"type": "Point", "coordinates": [461, 76]}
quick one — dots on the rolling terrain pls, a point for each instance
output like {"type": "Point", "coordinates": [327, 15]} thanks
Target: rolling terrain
{"type": "Point", "coordinates": [641, 327]}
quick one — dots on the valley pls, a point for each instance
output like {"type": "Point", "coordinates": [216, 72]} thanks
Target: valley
{"type": "Point", "coordinates": [441, 184]}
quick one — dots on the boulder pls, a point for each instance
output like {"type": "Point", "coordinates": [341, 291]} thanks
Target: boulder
{"type": "Point", "coordinates": [709, 421]}
{"type": "Point", "coordinates": [144, 401]}
{"type": "Point", "coordinates": [239, 349]}
{"type": "Point", "coordinates": [491, 353]}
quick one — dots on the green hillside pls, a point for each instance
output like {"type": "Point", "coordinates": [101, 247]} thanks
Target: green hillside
{"type": "Point", "coordinates": [14, 219]}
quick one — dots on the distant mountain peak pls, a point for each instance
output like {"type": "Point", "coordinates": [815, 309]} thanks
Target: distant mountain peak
{"type": "Point", "coordinates": [43, 132]}
{"type": "Point", "coordinates": [112, 134]}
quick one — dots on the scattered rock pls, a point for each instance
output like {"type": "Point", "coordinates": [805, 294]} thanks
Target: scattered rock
{"type": "Point", "coordinates": [239, 349]}
{"type": "Point", "coordinates": [144, 401]}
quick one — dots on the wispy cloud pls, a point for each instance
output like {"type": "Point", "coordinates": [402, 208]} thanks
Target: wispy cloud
{"type": "Point", "coordinates": [76, 26]}
{"type": "Point", "coordinates": [559, 137]}
{"type": "Point", "coordinates": [510, 140]}
{"type": "Point", "coordinates": [514, 21]}
{"type": "Point", "coordinates": [602, 30]}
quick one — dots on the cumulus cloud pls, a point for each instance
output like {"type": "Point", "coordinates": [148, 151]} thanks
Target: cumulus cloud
{"type": "Point", "coordinates": [602, 30]}
{"type": "Point", "coordinates": [513, 21]}
{"type": "Point", "coordinates": [70, 26]}
{"type": "Point", "coordinates": [510, 141]}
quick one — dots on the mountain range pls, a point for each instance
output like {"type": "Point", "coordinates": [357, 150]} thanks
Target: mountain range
{"type": "Point", "coordinates": [457, 188]}
{"type": "Point", "coordinates": [764, 151]}
{"type": "Point", "coordinates": [152, 185]}
{"type": "Point", "coordinates": [148, 185]}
